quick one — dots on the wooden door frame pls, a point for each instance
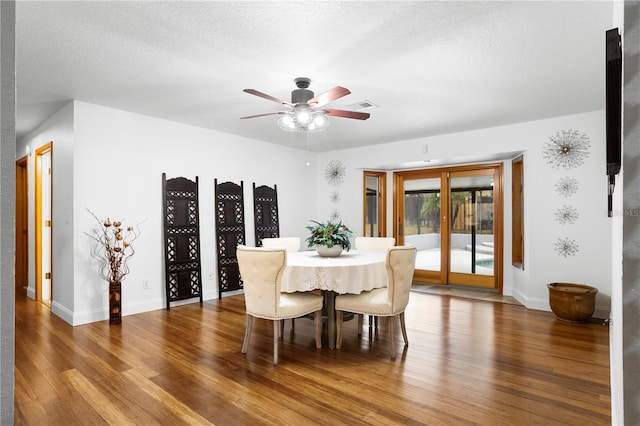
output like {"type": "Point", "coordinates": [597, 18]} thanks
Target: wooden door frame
{"type": "Point", "coordinates": [382, 201]}
{"type": "Point", "coordinates": [22, 222]}
{"type": "Point", "coordinates": [442, 276]}
{"type": "Point", "coordinates": [437, 277]}
{"type": "Point", "coordinates": [48, 147]}
{"type": "Point", "coordinates": [476, 279]}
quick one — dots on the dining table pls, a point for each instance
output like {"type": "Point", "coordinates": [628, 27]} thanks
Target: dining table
{"type": "Point", "coordinates": [352, 272]}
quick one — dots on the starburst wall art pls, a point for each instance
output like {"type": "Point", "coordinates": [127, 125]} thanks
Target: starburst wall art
{"type": "Point", "coordinates": [567, 215]}
{"type": "Point", "coordinates": [566, 247]}
{"type": "Point", "coordinates": [566, 150]}
{"type": "Point", "coordinates": [334, 197]}
{"type": "Point", "coordinates": [334, 172]}
{"type": "Point", "coordinates": [567, 186]}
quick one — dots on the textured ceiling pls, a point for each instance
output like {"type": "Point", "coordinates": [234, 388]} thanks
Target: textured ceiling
{"type": "Point", "coordinates": [430, 67]}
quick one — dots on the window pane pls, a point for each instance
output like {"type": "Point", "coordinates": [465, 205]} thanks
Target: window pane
{"type": "Point", "coordinates": [372, 208]}
{"type": "Point", "coordinates": [422, 220]}
{"type": "Point", "coordinates": [472, 225]}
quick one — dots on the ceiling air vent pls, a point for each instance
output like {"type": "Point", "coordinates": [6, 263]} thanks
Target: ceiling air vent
{"type": "Point", "coordinates": [362, 105]}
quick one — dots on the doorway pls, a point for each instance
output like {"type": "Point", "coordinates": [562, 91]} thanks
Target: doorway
{"type": "Point", "coordinates": [454, 218]}
{"type": "Point", "coordinates": [43, 225]}
{"type": "Point", "coordinates": [22, 225]}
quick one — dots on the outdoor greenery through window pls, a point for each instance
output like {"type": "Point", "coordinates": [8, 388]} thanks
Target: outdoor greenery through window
{"type": "Point", "coordinates": [452, 216]}
{"type": "Point", "coordinates": [425, 206]}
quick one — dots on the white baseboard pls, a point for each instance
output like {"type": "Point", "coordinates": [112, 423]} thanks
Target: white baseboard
{"type": "Point", "coordinates": [600, 312]}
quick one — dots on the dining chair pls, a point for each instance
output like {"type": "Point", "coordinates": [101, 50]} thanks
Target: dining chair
{"type": "Point", "coordinates": [374, 243]}
{"type": "Point", "coordinates": [389, 301]}
{"type": "Point", "coordinates": [261, 271]}
{"type": "Point", "coordinates": [292, 244]}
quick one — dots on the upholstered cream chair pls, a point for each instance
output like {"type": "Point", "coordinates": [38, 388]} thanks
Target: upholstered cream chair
{"type": "Point", "coordinates": [374, 243]}
{"type": "Point", "coordinates": [261, 272]}
{"type": "Point", "coordinates": [389, 301]}
{"type": "Point", "coordinates": [292, 244]}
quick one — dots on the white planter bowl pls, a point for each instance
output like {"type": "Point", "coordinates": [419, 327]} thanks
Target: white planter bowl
{"type": "Point", "coordinates": [324, 251]}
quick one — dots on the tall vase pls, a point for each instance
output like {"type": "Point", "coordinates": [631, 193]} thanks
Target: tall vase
{"type": "Point", "coordinates": [115, 303]}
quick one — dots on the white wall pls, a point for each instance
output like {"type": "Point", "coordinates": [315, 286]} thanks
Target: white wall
{"type": "Point", "coordinates": [58, 129]}
{"type": "Point", "coordinates": [625, 385]}
{"type": "Point", "coordinates": [118, 158]}
{"type": "Point", "coordinates": [111, 162]}
{"type": "Point", "coordinates": [543, 265]}
{"type": "Point", "coordinates": [616, 349]}
{"type": "Point", "coordinates": [7, 207]}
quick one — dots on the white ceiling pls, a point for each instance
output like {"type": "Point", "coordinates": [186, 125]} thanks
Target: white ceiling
{"type": "Point", "coordinates": [430, 67]}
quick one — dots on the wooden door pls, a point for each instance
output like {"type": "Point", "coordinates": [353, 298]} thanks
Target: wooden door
{"type": "Point", "coordinates": [454, 218]}
{"type": "Point", "coordinates": [22, 226]}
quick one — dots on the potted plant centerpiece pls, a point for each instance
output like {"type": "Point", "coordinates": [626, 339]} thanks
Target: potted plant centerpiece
{"type": "Point", "coordinates": [329, 238]}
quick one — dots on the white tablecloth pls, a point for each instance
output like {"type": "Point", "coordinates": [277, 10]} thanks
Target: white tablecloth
{"type": "Point", "coordinates": [351, 272]}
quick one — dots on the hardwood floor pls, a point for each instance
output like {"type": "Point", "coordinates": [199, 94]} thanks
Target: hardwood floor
{"type": "Point", "coordinates": [468, 362]}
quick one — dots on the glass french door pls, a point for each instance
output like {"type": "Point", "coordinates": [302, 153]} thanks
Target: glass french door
{"type": "Point", "coordinates": [453, 217]}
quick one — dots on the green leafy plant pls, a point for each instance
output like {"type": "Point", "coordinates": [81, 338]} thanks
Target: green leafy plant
{"type": "Point", "coordinates": [329, 234]}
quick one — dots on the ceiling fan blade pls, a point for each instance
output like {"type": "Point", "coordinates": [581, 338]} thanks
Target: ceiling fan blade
{"type": "Point", "coordinates": [347, 114]}
{"type": "Point", "coordinates": [328, 96]}
{"type": "Point", "coordinates": [261, 115]}
{"type": "Point", "coordinates": [268, 97]}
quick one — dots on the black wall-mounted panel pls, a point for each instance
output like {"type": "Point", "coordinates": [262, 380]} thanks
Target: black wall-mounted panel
{"type": "Point", "coordinates": [265, 212]}
{"type": "Point", "coordinates": [183, 277]}
{"type": "Point", "coordinates": [230, 232]}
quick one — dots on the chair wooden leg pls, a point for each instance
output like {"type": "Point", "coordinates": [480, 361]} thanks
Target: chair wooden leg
{"type": "Point", "coordinates": [360, 320]}
{"type": "Point", "coordinates": [281, 329]}
{"type": "Point", "coordinates": [318, 324]}
{"type": "Point", "coordinates": [276, 328]}
{"type": "Point", "coordinates": [392, 343]}
{"type": "Point", "coordinates": [339, 329]}
{"type": "Point", "coordinates": [373, 322]}
{"type": "Point", "coordinates": [404, 329]}
{"type": "Point", "coordinates": [247, 333]}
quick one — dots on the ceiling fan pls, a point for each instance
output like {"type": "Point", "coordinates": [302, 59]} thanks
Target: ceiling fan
{"type": "Point", "coordinates": [305, 113]}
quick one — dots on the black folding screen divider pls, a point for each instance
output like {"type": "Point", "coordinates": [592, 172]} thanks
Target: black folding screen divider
{"type": "Point", "coordinates": [265, 213]}
{"type": "Point", "coordinates": [230, 232]}
{"type": "Point", "coordinates": [183, 277]}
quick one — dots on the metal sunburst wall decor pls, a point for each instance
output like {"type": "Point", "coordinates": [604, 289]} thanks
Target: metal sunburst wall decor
{"type": "Point", "coordinates": [567, 215]}
{"type": "Point", "coordinates": [335, 215]}
{"type": "Point", "coordinates": [566, 247]}
{"type": "Point", "coordinates": [567, 149]}
{"type": "Point", "coordinates": [334, 172]}
{"type": "Point", "coordinates": [334, 197]}
{"type": "Point", "coordinates": [567, 186]}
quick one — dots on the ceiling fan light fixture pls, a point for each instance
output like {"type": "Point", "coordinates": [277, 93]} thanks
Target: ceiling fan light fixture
{"type": "Point", "coordinates": [305, 112]}
{"type": "Point", "coordinates": [321, 119]}
{"type": "Point", "coordinates": [286, 121]}
{"type": "Point", "coordinates": [303, 115]}
{"type": "Point", "coordinates": [303, 120]}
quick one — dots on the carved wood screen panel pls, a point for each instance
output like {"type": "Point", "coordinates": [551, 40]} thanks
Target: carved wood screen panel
{"type": "Point", "coordinates": [230, 232]}
{"type": "Point", "coordinates": [183, 277]}
{"type": "Point", "coordinates": [265, 212]}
